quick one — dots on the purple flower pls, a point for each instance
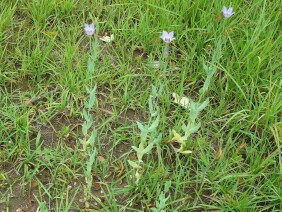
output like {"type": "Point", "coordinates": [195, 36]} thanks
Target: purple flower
{"type": "Point", "coordinates": [227, 12]}
{"type": "Point", "coordinates": [167, 37]}
{"type": "Point", "coordinates": [89, 29]}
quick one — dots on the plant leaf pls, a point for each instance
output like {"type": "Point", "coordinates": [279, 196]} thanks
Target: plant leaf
{"type": "Point", "coordinates": [183, 101]}
{"type": "Point", "coordinates": [154, 124]}
{"type": "Point", "coordinates": [135, 148]}
{"type": "Point", "coordinates": [107, 39]}
{"type": "Point", "coordinates": [92, 97]}
{"type": "Point", "coordinates": [203, 105]}
{"type": "Point", "coordinates": [176, 138]}
{"type": "Point", "coordinates": [134, 164]}
{"type": "Point", "coordinates": [93, 137]}
{"type": "Point", "coordinates": [167, 186]}
{"type": "Point", "coordinates": [186, 152]}
{"type": "Point", "coordinates": [141, 127]}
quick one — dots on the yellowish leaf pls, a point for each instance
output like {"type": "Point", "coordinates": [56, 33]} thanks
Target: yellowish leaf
{"type": "Point", "coordinates": [186, 152]}
{"type": "Point", "coordinates": [51, 33]}
{"type": "Point", "coordinates": [101, 159]}
{"type": "Point", "coordinates": [176, 138]}
{"type": "Point", "coordinates": [121, 170]}
{"type": "Point", "coordinates": [243, 145]}
{"type": "Point", "coordinates": [70, 149]}
{"type": "Point", "coordinates": [107, 39]}
{"type": "Point", "coordinates": [134, 164]}
{"type": "Point", "coordinates": [219, 154]}
{"type": "Point", "coordinates": [280, 131]}
{"type": "Point", "coordinates": [183, 101]}
{"type": "Point", "coordinates": [27, 102]}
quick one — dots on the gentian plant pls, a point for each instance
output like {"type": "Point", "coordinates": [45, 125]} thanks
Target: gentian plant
{"type": "Point", "coordinates": [194, 108]}
{"type": "Point", "coordinates": [88, 130]}
{"type": "Point", "coordinates": [149, 135]}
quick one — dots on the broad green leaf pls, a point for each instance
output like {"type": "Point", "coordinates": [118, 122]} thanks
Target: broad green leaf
{"type": "Point", "coordinates": [161, 205]}
{"type": "Point", "coordinates": [85, 114]}
{"type": "Point", "coordinates": [158, 139]}
{"type": "Point", "coordinates": [203, 105]}
{"type": "Point", "coordinates": [144, 131]}
{"type": "Point", "coordinates": [92, 98]}
{"type": "Point", "coordinates": [193, 128]}
{"type": "Point", "coordinates": [84, 129]}
{"type": "Point", "coordinates": [141, 127]}
{"type": "Point", "coordinates": [86, 126]}
{"type": "Point", "coordinates": [88, 89]}
{"type": "Point", "coordinates": [151, 107]}
{"type": "Point", "coordinates": [154, 124]}
{"type": "Point", "coordinates": [135, 148]}
{"type": "Point", "coordinates": [143, 136]}
{"type": "Point", "coordinates": [82, 141]}
{"type": "Point", "coordinates": [148, 148]}
{"type": "Point", "coordinates": [210, 72]}
{"type": "Point", "coordinates": [167, 186]}
{"type": "Point", "coordinates": [154, 91]}
{"type": "Point", "coordinates": [93, 137]}
{"type": "Point", "coordinates": [206, 68]}
{"type": "Point", "coordinates": [90, 66]}
{"type": "Point", "coordinates": [90, 163]}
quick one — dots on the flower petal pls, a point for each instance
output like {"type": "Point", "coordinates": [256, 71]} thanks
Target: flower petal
{"type": "Point", "coordinates": [89, 29]}
{"type": "Point", "coordinates": [170, 35]}
{"type": "Point", "coordinates": [165, 33]}
{"type": "Point", "coordinates": [230, 10]}
{"type": "Point", "coordinates": [164, 36]}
